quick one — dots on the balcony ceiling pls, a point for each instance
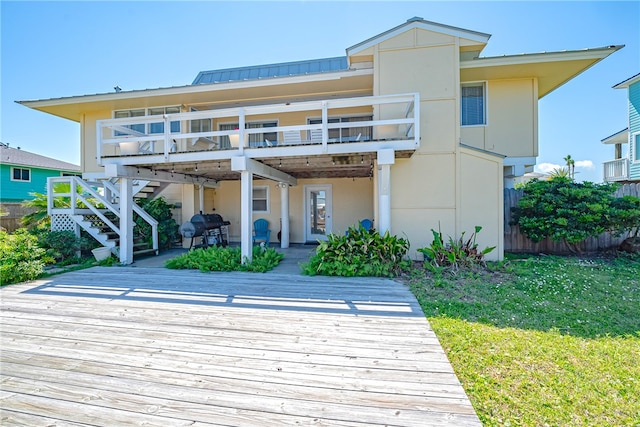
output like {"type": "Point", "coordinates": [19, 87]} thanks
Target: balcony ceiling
{"type": "Point", "coordinates": [328, 166]}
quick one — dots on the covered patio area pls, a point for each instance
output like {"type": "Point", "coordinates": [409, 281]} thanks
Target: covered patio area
{"type": "Point", "coordinates": [149, 346]}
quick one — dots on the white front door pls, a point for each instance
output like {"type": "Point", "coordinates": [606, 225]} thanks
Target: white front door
{"type": "Point", "coordinates": [317, 212]}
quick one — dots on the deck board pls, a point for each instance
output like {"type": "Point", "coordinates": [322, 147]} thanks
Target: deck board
{"type": "Point", "coordinates": [150, 346]}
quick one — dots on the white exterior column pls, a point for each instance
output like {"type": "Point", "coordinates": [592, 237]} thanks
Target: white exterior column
{"type": "Point", "coordinates": [386, 158]}
{"type": "Point", "coordinates": [246, 215]}
{"type": "Point", "coordinates": [201, 196]}
{"type": "Point", "coordinates": [126, 220]}
{"type": "Point", "coordinates": [284, 213]}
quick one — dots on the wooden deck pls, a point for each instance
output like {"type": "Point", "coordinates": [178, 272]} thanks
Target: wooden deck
{"type": "Point", "coordinates": [149, 346]}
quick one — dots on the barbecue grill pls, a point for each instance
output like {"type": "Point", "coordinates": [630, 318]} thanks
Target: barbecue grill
{"type": "Point", "coordinates": [210, 229]}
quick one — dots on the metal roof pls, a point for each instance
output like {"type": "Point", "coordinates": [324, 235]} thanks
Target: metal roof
{"type": "Point", "coordinates": [16, 156]}
{"type": "Point", "coordinates": [286, 69]}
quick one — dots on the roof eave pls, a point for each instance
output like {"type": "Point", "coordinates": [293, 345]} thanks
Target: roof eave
{"type": "Point", "coordinates": [620, 137]}
{"type": "Point", "coordinates": [204, 87]}
{"type": "Point", "coordinates": [529, 58]}
{"type": "Point", "coordinates": [625, 84]}
{"type": "Point", "coordinates": [418, 23]}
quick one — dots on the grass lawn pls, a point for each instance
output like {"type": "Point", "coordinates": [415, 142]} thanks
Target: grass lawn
{"type": "Point", "coordinates": [543, 341]}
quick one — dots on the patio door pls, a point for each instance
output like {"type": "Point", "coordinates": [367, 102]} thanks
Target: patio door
{"type": "Point", "coordinates": [317, 212]}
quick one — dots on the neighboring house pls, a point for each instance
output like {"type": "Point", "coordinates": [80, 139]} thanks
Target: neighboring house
{"type": "Point", "coordinates": [23, 173]}
{"type": "Point", "coordinates": [412, 129]}
{"type": "Point", "coordinates": [626, 164]}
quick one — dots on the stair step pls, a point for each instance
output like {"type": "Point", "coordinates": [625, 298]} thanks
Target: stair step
{"type": "Point", "coordinates": [144, 252]}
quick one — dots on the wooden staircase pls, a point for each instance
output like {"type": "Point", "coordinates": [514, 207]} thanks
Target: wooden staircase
{"type": "Point", "coordinates": [94, 206]}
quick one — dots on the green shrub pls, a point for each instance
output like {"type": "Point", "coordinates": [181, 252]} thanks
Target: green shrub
{"type": "Point", "coordinates": [564, 210]}
{"type": "Point", "coordinates": [455, 254]}
{"type": "Point", "coordinates": [216, 258]}
{"type": "Point", "coordinates": [160, 210]}
{"type": "Point", "coordinates": [360, 252]}
{"type": "Point", "coordinates": [63, 245]}
{"type": "Point", "coordinates": [20, 257]}
{"type": "Point", "coordinates": [625, 216]}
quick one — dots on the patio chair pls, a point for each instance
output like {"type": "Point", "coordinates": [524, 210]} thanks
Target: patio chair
{"type": "Point", "coordinates": [292, 137]}
{"type": "Point", "coordinates": [261, 231]}
{"type": "Point", "coordinates": [366, 223]}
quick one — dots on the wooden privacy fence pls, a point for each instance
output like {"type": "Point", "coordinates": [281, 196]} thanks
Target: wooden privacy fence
{"type": "Point", "coordinates": [516, 241]}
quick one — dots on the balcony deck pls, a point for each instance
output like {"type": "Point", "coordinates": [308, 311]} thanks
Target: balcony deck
{"type": "Point", "coordinates": [331, 149]}
{"type": "Point", "coordinates": [616, 170]}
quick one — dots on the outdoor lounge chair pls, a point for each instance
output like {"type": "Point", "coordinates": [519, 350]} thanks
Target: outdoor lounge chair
{"type": "Point", "coordinates": [261, 231]}
{"type": "Point", "coordinates": [291, 137]}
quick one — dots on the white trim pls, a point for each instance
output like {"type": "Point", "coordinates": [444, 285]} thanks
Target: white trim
{"type": "Point", "coordinates": [328, 225]}
{"type": "Point", "coordinates": [485, 96]}
{"type": "Point", "coordinates": [21, 168]}
{"type": "Point", "coordinates": [634, 148]}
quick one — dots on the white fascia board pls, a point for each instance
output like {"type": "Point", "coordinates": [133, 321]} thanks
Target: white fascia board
{"type": "Point", "coordinates": [532, 58]}
{"type": "Point", "coordinates": [424, 25]}
{"type": "Point", "coordinates": [519, 161]}
{"type": "Point", "coordinates": [188, 89]}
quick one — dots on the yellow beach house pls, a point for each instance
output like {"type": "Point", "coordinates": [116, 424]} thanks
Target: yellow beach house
{"type": "Point", "coordinates": [412, 129]}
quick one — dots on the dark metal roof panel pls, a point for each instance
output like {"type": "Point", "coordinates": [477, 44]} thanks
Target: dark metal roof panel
{"type": "Point", "coordinates": [286, 69]}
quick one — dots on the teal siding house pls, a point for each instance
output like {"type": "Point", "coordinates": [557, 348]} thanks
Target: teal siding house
{"type": "Point", "coordinates": [22, 172]}
{"type": "Point", "coordinates": [626, 165]}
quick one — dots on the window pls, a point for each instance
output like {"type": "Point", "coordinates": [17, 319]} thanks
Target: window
{"type": "Point", "coordinates": [636, 147]}
{"type": "Point", "coordinates": [347, 134]}
{"type": "Point", "coordinates": [150, 127]}
{"type": "Point", "coordinates": [201, 125]}
{"type": "Point", "coordinates": [21, 174]}
{"type": "Point", "coordinates": [159, 127]}
{"type": "Point", "coordinates": [256, 139]}
{"type": "Point", "coordinates": [261, 198]}
{"type": "Point", "coordinates": [473, 108]}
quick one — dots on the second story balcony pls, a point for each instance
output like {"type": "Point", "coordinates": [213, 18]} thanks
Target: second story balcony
{"type": "Point", "coordinates": [329, 130]}
{"type": "Point", "coordinates": [616, 170]}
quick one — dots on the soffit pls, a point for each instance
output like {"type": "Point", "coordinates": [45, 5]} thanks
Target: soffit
{"type": "Point", "coordinates": [351, 83]}
{"type": "Point", "coordinates": [551, 70]}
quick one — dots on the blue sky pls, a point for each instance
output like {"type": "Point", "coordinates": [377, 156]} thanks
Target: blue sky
{"type": "Point", "coordinates": [58, 49]}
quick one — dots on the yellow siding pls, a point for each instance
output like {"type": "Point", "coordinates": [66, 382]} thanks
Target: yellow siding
{"type": "Point", "coordinates": [511, 128]}
{"type": "Point", "coordinates": [481, 199]}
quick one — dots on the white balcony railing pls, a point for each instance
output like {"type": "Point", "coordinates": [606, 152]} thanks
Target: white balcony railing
{"type": "Point", "coordinates": [616, 170]}
{"type": "Point", "coordinates": [138, 140]}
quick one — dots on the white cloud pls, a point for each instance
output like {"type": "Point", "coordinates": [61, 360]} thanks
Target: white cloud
{"type": "Point", "coordinates": [546, 167]}
{"type": "Point", "coordinates": [586, 164]}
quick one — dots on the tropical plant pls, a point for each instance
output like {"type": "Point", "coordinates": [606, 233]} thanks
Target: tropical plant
{"type": "Point", "coordinates": [571, 166]}
{"type": "Point", "coordinates": [360, 252]}
{"type": "Point", "coordinates": [562, 173]}
{"type": "Point", "coordinates": [455, 254]}
{"type": "Point", "coordinates": [215, 258]}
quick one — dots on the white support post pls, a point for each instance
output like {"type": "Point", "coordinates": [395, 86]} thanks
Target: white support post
{"type": "Point", "coordinates": [167, 137]}
{"type": "Point", "coordinates": [284, 213]}
{"type": "Point", "coordinates": [126, 220]}
{"type": "Point", "coordinates": [246, 215]}
{"type": "Point", "coordinates": [325, 129]}
{"type": "Point", "coordinates": [386, 158]}
{"type": "Point", "coordinates": [241, 130]}
{"type": "Point", "coordinates": [201, 197]}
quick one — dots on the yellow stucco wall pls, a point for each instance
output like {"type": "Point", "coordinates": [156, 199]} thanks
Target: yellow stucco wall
{"type": "Point", "coordinates": [511, 120]}
{"type": "Point", "coordinates": [482, 199]}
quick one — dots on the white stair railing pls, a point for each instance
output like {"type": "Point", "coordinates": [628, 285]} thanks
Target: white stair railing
{"type": "Point", "coordinates": [65, 203]}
